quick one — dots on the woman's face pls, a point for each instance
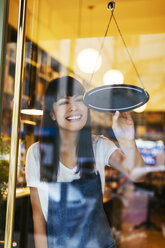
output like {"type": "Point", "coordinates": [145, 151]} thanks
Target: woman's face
{"type": "Point", "coordinates": [70, 113]}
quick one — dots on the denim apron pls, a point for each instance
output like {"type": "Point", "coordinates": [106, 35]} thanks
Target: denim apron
{"type": "Point", "coordinates": [76, 218]}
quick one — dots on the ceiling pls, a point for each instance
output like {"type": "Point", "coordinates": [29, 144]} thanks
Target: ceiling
{"type": "Point", "coordinates": [64, 28]}
{"type": "Point", "coordinates": [54, 19]}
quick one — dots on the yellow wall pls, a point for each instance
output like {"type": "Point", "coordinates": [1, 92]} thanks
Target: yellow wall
{"type": "Point", "coordinates": [55, 24]}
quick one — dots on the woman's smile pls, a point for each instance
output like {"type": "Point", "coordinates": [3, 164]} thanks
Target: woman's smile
{"type": "Point", "coordinates": [74, 117]}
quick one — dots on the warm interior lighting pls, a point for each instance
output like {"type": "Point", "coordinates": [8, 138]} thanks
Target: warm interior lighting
{"type": "Point", "coordinates": [33, 123]}
{"type": "Point", "coordinates": [88, 60]}
{"type": "Point", "coordinates": [37, 112]}
{"type": "Point", "coordinates": [113, 77]}
{"type": "Point", "coordinates": [140, 109]}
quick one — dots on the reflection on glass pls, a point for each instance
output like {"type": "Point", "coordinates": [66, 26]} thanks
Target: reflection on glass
{"type": "Point", "coordinates": [51, 51]}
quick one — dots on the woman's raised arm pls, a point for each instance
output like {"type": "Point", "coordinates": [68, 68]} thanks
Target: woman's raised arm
{"type": "Point", "coordinates": [129, 158]}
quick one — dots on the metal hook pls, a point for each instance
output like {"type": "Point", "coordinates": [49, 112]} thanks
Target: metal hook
{"type": "Point", "coordinates": [111, 5]}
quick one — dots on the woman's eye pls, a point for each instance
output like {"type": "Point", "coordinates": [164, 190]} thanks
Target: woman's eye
{"type": "Point", "coordinates": [63, 103]}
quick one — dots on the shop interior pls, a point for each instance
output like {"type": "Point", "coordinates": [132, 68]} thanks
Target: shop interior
{"type": "Point", "coordinates": [57, 35]}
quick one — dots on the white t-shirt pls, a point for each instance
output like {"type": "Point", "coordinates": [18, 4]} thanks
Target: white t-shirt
{"type": "Point", "coordinates": [102, 148]}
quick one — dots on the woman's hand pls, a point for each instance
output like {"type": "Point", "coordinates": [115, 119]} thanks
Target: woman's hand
{"type": "Point", "coordinates": [123, 126]}
{"type": "Point", "coordinates": [129, 157]}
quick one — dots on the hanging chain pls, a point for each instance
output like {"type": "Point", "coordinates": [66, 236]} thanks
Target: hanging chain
{"type": "Point", "coordinates": [111, 6]}
{"type": "Point", "coordinates": [101, 47]}
{"type": "Point", "coordinates": [133, 64]}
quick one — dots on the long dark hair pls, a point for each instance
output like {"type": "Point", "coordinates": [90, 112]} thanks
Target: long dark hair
{"type": "Point", "coordinates": [49, 135]}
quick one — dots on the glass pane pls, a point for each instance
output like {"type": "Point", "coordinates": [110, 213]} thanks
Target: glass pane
{"type": "Point", "coordinates": [59, 35]}
{"type": "Point", "coordinates": [66, 31]}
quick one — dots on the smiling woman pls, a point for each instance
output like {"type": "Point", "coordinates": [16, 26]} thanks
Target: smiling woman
{"type": "Point", "coordinates": [65, 170]}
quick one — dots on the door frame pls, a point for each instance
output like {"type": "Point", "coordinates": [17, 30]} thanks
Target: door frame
{"type": "Point", "coordinates": [4, 13]}
{"type": "Point", "coordinates": [19, 65]}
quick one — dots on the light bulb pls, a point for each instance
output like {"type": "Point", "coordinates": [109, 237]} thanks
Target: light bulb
{"type": "Point", "coordinates": [140, 109]}
{"type": "Point", "coordinates": [88, 60]}
{"type": "Point", "coordinates": [113, 77]}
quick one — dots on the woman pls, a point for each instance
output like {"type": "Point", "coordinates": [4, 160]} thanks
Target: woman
{"type": "Point", "coordinates": [65, 170]}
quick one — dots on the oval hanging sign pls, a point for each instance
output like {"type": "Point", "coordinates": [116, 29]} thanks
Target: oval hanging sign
{"type": "Point", "coordinates": [121, 97]}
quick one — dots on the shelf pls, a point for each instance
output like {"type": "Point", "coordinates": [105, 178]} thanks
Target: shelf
{"type": "Point", "coordinates": [29, 61]}
{"type": "Point", "coordinates": [42, 75]}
